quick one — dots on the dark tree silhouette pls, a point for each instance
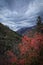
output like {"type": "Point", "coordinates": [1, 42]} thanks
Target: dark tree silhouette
{"type": "Point", "coordinates": [39, 22]}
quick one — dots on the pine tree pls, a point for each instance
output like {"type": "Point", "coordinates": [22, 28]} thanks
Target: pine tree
{"type": "Point", "coordinates": [39, 23]}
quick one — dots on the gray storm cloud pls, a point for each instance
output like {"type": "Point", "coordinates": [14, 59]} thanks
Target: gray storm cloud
{"type": "Point", "coordinates": [20, 13]}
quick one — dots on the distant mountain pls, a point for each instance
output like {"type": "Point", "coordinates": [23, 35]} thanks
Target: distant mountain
{"type": "Point", "coordinates": [8, 38]}
{"type": "Point", "coordinates": [23, 30]}
{"type": "Point", "coordinates": [30, 31]}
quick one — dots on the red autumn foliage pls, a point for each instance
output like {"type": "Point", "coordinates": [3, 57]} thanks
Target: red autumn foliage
{"type": "Point", "coordinates": [12, 58]}
{"type": "Point", "coordinates": [29, 48]}
{"type": "Point", "coordinates": [9, 59]}
{"type": "Point", "coordinates": [22, 62]}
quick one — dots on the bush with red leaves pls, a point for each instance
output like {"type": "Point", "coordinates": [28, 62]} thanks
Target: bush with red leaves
{"type": "Point", "coordinates": [31, 52]}
{"type": "Point", "coordinates": [32, 49]}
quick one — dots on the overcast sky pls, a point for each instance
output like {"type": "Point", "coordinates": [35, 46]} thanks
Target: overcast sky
{"type": "Point", "coordinates": [20, 13]}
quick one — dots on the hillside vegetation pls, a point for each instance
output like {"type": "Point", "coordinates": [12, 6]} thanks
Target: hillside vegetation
{"type": "Point", "coordinates": [21, 50]}
{"type": "Point", "coordinates": [8, 38]}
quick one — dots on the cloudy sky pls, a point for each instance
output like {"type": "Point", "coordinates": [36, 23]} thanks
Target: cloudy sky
{"type": "Point", "coordinates": [20, 13]}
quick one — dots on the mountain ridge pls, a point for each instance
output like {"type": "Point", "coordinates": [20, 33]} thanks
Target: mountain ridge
{"type": "Point", "coordinates": [8, 38]}
{"type": "Point", "coordinates": [22, 30]}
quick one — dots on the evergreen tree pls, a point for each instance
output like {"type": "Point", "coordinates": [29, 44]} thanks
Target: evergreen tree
{"type": "Point", "coordinates": [39, 23]}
